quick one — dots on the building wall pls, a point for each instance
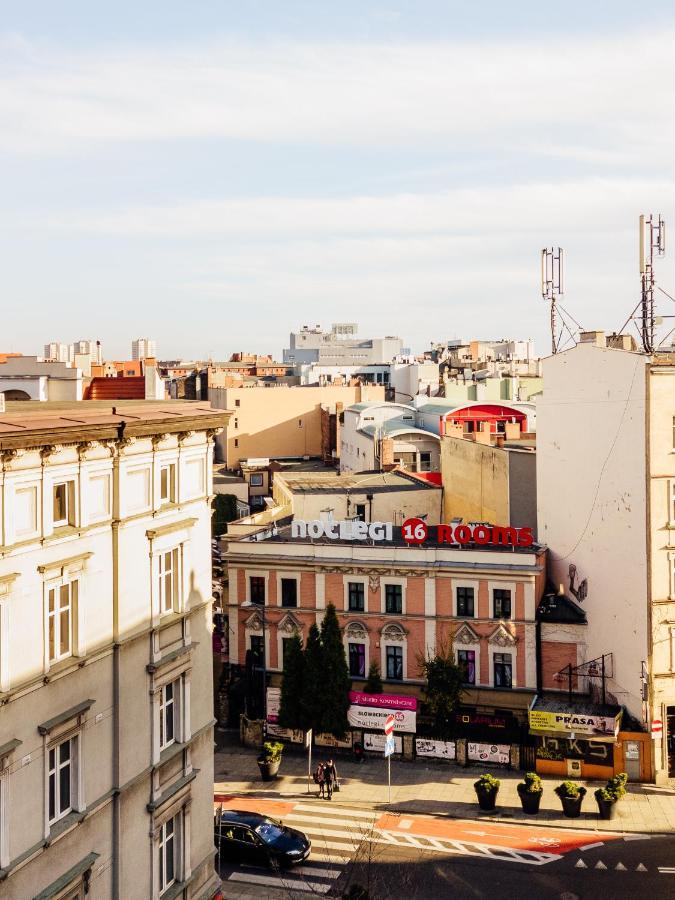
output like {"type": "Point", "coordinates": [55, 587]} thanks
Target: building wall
{"type": "Point", "coordinates": [591, 499]}
{"type": "Point", "coordinates": [661, 549]}
{"type": "Point", "coordinates": [523, 489]}
{"type": "Point", "coordinates": [123, 649]}
{"type": "Point", "coordinates": [475, 481]}
{"type": "Point", "coordinates": [279, 421]}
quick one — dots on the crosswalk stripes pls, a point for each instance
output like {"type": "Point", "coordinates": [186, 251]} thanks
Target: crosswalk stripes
{"type": "Point", "coordinates": [336, 834]}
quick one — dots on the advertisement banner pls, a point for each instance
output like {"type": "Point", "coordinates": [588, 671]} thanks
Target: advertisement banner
{"type": "Point", "coordinates": [286, 734]}
{"type": "Point", "coordinates": [376, 743]}
{"type": "Point", "coordinates": [386, 701]}
{"type": "Point", "coordinates": [327, 740]}
{"type": "Point", "coordinates": [574, 723]}
{"type": "Point", "coordinates": [370, 717]}
{"type": "Point", "coordinates": [273, 704]}
{"type": "Point", "coordinates": [435, 749]}
{"type": "Point", "coordinates": [489, 753]}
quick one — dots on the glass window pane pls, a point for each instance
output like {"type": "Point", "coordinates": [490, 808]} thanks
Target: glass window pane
{"type": "Point", "coordinates": [64, 629]}
{"type": "Point", "coordinates": [52, 637]}
{"type": "Point", "coordinates": [60, 512]}
{"type": "Point", "coordinates": [64, 788]}
{"type": "Point", "coordinates": [52, 793]}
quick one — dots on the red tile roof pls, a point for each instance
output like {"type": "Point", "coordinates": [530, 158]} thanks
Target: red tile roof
{"type": "Point", "coordinates": [129, 388]}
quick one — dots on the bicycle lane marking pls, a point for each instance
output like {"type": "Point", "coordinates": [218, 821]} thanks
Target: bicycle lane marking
{"type": "Point", "coordinates": [514, 837]}
{"type": "Point", "coordinates": [276, 808]}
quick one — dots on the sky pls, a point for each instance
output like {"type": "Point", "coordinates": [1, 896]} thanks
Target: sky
{"type": "Point", "coordinates": [216, 174]}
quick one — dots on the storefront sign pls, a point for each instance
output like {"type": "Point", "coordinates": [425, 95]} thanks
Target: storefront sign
{"type": "Point", "coordinates": [386, 701]}
{"type": "Point", "coordinates": [414, 531]}
{"type": "Point", "coordinates": [273, 704]}
{"type": "Point", "coordinates": [489, 753]}
{"type": "Point", "coordinates": [435, 749]}
{"type": "Point", "coordinates": [375, 743]}
{"type": "Point", "coordinates": [373, 717]}
{"type": "Point", "coordinates": [286, 734]}
{"type": "Point", "coordinates": [328, 740]}
{"type": "Point", "coordinates": [599, 753]}
{"type": "Point", "coordinates": [574, 723]}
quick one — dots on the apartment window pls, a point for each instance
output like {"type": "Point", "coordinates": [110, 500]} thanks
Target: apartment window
{"type": "Point", "coordinates": [62, 760]}
{"type": "Point", "coordinates": [425, 462]}
{"type": "Point", "coordinates": [465, 605]}
{"type": "Point", "coordinates": [503, 670]}
{"type": "Point", "coordinates": [62, 602]}
{"type": "Point", "coordinates": [299, 423]}
{"type": "Point", "coordinates": [395, 663]}
{"type": "Point", "coordinates": [357, 660]}
{"type": "Point", "coordinates": [168, 713]}
{"type": "Point", "coordinates": [393, 599]}
{"type": "Point", "coordinates": [356, 596]}
{"type": "Point", "coordinates": [257, 586]}
{"type": "Point", "coordinates": [257, 479]}
{"type": "Point", "coordinates": [167, 483]}
{"type": "Point", "coordinates": [64, 503]}
{"type": "Point", "coordinates": [466, 660]}
{"type": "Point", "coordinates": [236, 423]}
{"type": "Point", "coordinates": [360, 508]}
{"type": "Point", "coordinates": [237, 402]}
{"type": "Point", "coordinates": [257, 649]}
{"type": "Point", "coordinates": [289, 592]}
{"type": "Point", "coordinates": [169, 581]}
{"type": "Point", "coordinates": [168, 852]}
{"type": "Point", "coordinates": [502, 603]}
{"type": "Point", "coordinates": [236, 442]}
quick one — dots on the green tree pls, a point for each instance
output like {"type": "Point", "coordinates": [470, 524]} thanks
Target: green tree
{"type": "Point", "coordinates": [335, 676]}
{"type": "Point", "coordinates": [291, 710]}
{"type": "Point", "coordinates": [312, 695]}
{"type": "Point", "coordinates": [224, 511]}
{"type": "Point", "coordinates": [443, 688]}
{"type": "Point", "coordinates": [373, 683]}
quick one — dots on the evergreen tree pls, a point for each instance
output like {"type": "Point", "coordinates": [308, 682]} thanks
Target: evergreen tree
{"type": "Point", "coordinates": [336, 683]}
{"type": "Point", "coordinates": [373, 683]}
{"type": "Point", "coordinates": [291, 710]}
{"type": "Point", "coordinates": [444, 685]}
{"type": "Point", "coordinates": [312, 695]}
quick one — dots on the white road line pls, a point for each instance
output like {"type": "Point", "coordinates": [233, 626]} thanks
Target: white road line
{"type": "Point", "coordinates": [317, 887]}
{"type": "Point", "coordinates": [316, 871]}
{"type": "Point", "coordinates": [334, 859]}
{"type": "Point", "coordinates": [637, 837]}
{"type": "Point", "coordinates": [667, 870]}
{"type": "Point", "coordinates": [332, 833]}
{"type": "Point", "coordinates": [591, 846]}
{"type": "Point", "coordinates": [336, 810]}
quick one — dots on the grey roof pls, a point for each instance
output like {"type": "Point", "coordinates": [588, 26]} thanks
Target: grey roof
{"type": "Point", "coordinates": [333, 483]}
{"type": "Point", "coordinates": [397, 425]}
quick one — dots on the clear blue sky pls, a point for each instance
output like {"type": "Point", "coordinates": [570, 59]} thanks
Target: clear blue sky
{"type": "Point", "coordinates": [215, 174]}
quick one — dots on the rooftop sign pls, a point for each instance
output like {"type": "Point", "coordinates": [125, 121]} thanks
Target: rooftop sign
{"type": "Point", "coordinates": [414, 531]}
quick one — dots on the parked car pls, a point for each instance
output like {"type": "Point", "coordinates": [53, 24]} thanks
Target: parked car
{"type": "Point", "coordinates": [253, 838]}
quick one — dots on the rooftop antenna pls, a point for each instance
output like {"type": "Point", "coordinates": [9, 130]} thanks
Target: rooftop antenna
{"type": "Point", "coordinates": [553, 286]}
{"type": "Point", "coordinates": [652, 238]}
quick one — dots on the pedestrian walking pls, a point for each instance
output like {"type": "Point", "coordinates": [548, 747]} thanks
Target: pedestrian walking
{"type": "Point", "coordinates": [330, 776]}
{"type": "Point", "coordinates": [320, 779]}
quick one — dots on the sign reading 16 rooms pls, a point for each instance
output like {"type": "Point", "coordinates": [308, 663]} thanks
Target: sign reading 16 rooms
{"type": "Point", "coordinates": [414, 531]}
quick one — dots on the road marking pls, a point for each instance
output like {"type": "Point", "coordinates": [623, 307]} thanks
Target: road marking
{"type": "Point", "coordinates": [334, 859]}
{"type": "Point", "coordinates": [334, 810]}
{"type": "Point", "coordinates": [580, 864]}
{"type": "Point", "coordinates": [667, 870]}
{"type": "Point", "coordinates": [317, 887]}
{"type": "Point", "coordinates": [600, 865]}
{"type": "Point", "coordinates": [637, 837]}
{"type": "Point", "coordinates": [619, 867]}
{"type": "Point", "coordinates": [591, 846]}
{"type": "Point", "coordinates": [317, 872]}
{"type": "Point", "coordinates": [641, 868]}
{"type": "Point", "coordinates": [405, 823]}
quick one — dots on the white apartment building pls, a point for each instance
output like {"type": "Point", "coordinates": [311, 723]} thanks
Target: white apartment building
{"type": "Point", "coordinates": [340, 346]}
{"type": "Point", "coordinates": [92, 349]}
{"type": "Point", "coordinates": [606, 510]}
{"type": "Point", "coordinates": [378, 435]}
{"type": "Point", "coordinates": [106, 728]}
{"type": "Point", "coordinates": [143, 347]}
{"type": "Point", "coordinates": [57, 352]}
{"type": "Point", "coordinates": [31, 378]}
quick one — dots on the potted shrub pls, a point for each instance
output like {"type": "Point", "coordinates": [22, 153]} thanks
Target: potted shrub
{"type": "Point", "coordinates": [530, 791]}
{"type": "Point", "coordinates": [617, 785]}
{"type": "Point", "coordinates": [571, 796]}
{"type": "Point", "coordinates": [486, 789]}
{"type": "Point", "coordinates": [270, 759]}
{"type": "Point", "coordinates": [606, 800]}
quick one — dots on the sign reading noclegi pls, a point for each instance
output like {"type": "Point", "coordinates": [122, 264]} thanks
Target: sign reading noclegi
{"type": "Point", "coordinates": [414, 532]}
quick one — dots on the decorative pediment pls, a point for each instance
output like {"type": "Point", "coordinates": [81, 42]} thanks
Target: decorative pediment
{"type": "Point", "coordinates": [465, 635]}
{"type": "Point", "coordinates": [289, 624]}
{"type": "Point", "coordinates": [254, 622]}
{"type": "Point", "coordinates": [393, 632]}
{"type": "Point", "coordinates": [502, 637]}
{"type": "Point", "coordinates": [356, 630]}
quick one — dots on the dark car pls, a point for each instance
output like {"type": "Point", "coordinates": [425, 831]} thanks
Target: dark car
{"type": "Point", "coordinates": [252, 838]}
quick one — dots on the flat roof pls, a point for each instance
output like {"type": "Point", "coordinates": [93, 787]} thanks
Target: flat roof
{"type": "Point", "coordinates": [333, 483]}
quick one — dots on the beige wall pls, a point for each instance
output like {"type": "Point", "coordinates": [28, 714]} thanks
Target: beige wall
{"type": "Point", "coordinates": [279, 421]}
{"type": "Point", "coordinates": [475, 481]}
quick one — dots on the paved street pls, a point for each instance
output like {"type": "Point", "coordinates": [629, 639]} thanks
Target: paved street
{"type": "Point", "coordinates": [405, 855]}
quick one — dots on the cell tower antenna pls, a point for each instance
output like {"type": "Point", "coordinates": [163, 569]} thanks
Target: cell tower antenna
{"type": "Point", "coordinates": [652, 242]}
{"type": "Point", "coordinates": [553, 285]}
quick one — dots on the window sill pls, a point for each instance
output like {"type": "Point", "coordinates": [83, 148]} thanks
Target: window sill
{"type": "Point", "coordinates": [63, 826]}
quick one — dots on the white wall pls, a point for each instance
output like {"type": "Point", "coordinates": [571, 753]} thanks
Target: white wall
{"type": "Point", "coordinates": [591, 498]}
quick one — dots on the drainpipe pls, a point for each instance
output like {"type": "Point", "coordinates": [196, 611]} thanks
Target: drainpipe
{"type": "Point", "coordinates": [117, 800]}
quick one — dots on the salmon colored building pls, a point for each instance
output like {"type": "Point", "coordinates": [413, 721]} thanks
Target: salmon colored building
{"type": "Point", "coordinates": [396, 603]}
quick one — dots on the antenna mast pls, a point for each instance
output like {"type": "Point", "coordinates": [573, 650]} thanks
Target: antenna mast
{"type": "Point", "coordinates": [553, 285]}
{"type": "Point", "coordinates": [652, 238]}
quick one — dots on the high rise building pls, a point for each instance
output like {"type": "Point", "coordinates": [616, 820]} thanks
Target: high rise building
{"type": "Point", "coordinates": [143, 347]}
{"type": "Point", "coordinates": [339, 346]}
{"type": "Point", "coordinates": [58, 352]}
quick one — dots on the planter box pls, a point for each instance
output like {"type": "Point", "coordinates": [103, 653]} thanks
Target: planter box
{"type": "Point", "coordinates": [606, 808]}
{"type": "Point", "coordinates": [268, 770]}
{"type": "Point", "coordinates": [572, 806]}
{"type": "Point", "coordinates": [487, 799]}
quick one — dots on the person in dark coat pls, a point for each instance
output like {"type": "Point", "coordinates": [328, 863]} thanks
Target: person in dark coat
{"type": "Point", "coordinates": [330, 774]}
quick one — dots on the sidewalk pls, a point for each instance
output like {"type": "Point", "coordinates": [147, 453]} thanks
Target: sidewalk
{"type": "Point", "coordinates": [437, 789]}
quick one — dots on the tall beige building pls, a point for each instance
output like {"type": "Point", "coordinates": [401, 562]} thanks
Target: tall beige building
{"type": "Point", "coordinates": [106, 713]}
